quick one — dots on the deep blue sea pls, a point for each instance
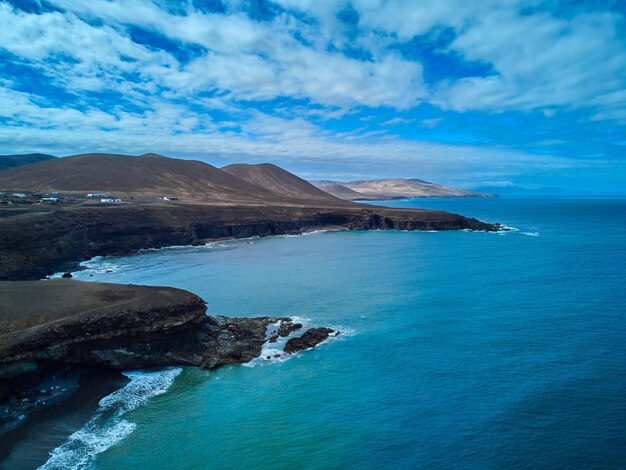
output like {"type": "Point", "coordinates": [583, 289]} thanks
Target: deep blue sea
{"type": "Point", "coordinates": [459, 350]}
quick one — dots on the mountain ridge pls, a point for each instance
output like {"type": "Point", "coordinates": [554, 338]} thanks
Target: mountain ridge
{"type": "Point", "coordinates": [387, 189]}
{"type": "Point", "coordinates": [280, 181]}
{"type": "Point", "coordinates": [18, 160]}
{"type": "Point", "coordinates": [156, 176]}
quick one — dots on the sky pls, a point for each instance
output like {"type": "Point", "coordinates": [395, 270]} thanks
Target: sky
{"type": "Point", "coordinates": [466, 93]}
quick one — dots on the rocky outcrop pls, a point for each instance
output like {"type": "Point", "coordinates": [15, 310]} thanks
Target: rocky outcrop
{"type": "Point", "coordinates": [42, 241]}
{"type": "Point", "coordinates": [113, 327]}
{"type": "Point", "coordinates": [53, 332]}
{"type": "Point", "coordinates": [285, 328]}
{"type": "Point", "coordinates": [309, 339]}
{"type": "Point", "coordinates": [288, 327]}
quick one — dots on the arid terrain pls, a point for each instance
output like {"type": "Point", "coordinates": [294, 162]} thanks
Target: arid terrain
{"type": "Point", "coordinates": [388, 189]}
{"type": "Point", "coordinates": [154, 201]}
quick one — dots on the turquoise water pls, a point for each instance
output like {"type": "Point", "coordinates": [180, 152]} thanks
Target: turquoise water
{"type": "Point", "coordinates": [461, 350]}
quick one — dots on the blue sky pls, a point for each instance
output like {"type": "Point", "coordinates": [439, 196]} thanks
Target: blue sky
{"type": "Point", "coordinates": [493, 92]}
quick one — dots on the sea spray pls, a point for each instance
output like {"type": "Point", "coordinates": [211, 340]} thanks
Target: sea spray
{"type": "Point", "coordinates": [108, 427]}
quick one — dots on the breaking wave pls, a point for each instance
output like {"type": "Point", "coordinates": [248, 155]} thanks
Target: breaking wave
{"type": "Point", "coordinates": [108, 427]}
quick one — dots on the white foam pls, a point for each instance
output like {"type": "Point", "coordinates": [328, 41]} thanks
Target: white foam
{"type": "Point", "coordinates": [274, 352]}
{"type": "Point", "coordinates": [305, 321]}
{"type": "Point", "coordinates": [108, 428]}
{"type": "Point", "coordinates": [506, 229]}
{"type": "Point", "coordinates": [303, 234]}
{"type": "Point", "coordinates": [316, 232]}
{"type": "Point", "coordinates": [97, 264]}
{"type": "Point", "coordinates": [104, 267]}
{"type": "Point", "coordinates": [343, 331]}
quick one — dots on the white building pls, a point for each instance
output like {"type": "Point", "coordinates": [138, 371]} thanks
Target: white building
{"type": "Point", "coordinates": [96, 195]}
{"type": "Point", "coordinates": [110, 200]}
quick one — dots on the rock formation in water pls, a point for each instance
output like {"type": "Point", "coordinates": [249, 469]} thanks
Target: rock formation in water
{"type": "Point", "coordinates": [284, 330]}
{"type": "Point", "coordinates": [309, 339]}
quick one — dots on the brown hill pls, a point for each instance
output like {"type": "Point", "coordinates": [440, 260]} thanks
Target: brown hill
{"type": "Point", "coordinates": [341, 191]}
{"type": "Point", "coordinates": [281, 182]}
{"type": "Point", "coordinates": [150, 174]}
{"type": "Point", "coordinates": [408, 188]}
{"type": "Point", "coordinates": [12, 161]}
{"type": "Point", "coordinates": [393, 189]}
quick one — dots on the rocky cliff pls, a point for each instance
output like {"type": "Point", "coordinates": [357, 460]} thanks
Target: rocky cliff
{"type": "Point", "coordinates": [51, 329]}
{"type": "Point", "coordinates": [39, 242]}
{"type": "Point", "coordinates": [46, 325]}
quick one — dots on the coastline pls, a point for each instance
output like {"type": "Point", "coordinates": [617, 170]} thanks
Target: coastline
{"type": "Point", "coordinates": [80, 266]}
{"type": "Point", "coordinates": [29, 445]}
{"type": "Point", "coordinates": [68, 236]}
{"type": "Point", "coordinates": [65, 343]}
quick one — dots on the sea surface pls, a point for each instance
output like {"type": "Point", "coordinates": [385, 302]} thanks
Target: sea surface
{"type": "Point", "coordinates": [459, 350]}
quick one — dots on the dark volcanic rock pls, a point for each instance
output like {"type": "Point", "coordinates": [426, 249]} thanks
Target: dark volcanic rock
{"type": "Point", "coordinates": [308, 340]}
{"type": "Point", "coordinates": [285, 329]}
{"type": "Point", "coordinates": [66, 275]}
{"type": "Point", "coordinates": [288, 327]}
{"type": "Point", "coordinates": [237, 202]}
{"type": "Point", "coordinates": [53, 332]}
{"type": "Point", "coordinates": [53, 324]}
{"type": "Point", "coordinates": [37, 243]}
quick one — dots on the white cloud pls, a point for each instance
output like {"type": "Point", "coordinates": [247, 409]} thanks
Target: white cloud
{"type": "Point", "coordinates": [540, 61]}
{"type": "Point", "coordinates": [295, 143]}
{"type": "Point", "coordinates": [245, 59]}
{"type": "Point", "coordinates": [431, 123]}
{"type": "Point", "coordinates": [395, 121]}
{"type": "Point", "coordinates": [163, 102]}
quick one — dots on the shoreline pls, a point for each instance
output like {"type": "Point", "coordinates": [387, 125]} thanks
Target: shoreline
{"type": "Point", "coordinates": [68, 236]}
{"type": "Point", "coordinates": [29, 445]}
{"type": "Point", "coordinates": [66, 343]}
{"type": "Point", "coordinates": [79, 235]}
{"type": "Point", "coordinates": [78, 266]}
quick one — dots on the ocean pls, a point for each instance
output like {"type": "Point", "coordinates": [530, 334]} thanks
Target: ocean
{"type": "Point", "coordinates": [459, 350]}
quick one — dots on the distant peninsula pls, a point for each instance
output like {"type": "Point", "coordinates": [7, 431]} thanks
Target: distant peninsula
{"type": "Point", "coordinates": [390, 189]}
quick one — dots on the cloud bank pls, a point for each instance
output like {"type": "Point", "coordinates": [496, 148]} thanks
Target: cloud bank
{"type": "Point", "coordinates": [453, 91]}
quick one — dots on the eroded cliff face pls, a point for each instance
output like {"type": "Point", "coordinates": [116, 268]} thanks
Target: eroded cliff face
{"type": "Point", "coordinates": [53, 332]}
{"type": "Point", "coordinates": [36, 244]}
{"type": "Point", "coordinates": [114, 327]}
